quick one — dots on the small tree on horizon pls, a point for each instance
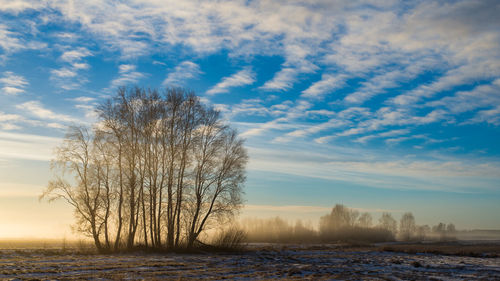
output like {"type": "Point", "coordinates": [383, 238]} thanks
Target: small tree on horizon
{"type": "Point", "coordinates": [407, 226]}
{"type": "Point", "coordinates": [387, 222]}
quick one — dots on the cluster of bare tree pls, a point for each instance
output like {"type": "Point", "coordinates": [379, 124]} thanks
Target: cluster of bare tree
{"type": "Point", "coordinates": [410, 231]}
{"type": "Point", "coordinates": [444, 231]}
{"type": "Point", "coordinates": [341, 219]}
{"type": "Point", "coordinates": [344, 224]}
{"type": "Point", "coordinates": [157, 169]}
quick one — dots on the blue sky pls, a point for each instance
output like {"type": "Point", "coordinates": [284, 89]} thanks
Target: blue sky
{"type": "Point", "coordinates": [380, 105]}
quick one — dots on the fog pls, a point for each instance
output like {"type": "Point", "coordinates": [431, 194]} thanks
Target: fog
{"type": "Point", "coordinates": [344, 224]}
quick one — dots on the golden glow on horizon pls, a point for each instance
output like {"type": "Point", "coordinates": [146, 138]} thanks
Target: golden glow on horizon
{"type": "Point", "coordinates": [26, 217]}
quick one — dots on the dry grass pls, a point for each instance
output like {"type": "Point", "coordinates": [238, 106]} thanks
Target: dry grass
{"type": "Point", "coordinates": [231, 239]}
{"type": "Point", "coordinates": [451, 249]}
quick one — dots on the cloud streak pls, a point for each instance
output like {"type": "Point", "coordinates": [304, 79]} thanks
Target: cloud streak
{"type": "Point", "coordinates": [70, 76]}
{"type": "Point", "coordinates": [12, 84]}
{"type": "Point", "coordinates": [36, 109]}
{"type": "Point", "coordinates": [27, 146]}
{"type": "Point", "coordinates": [328, 83]}
{"type": "Point", "coordinates": [183, 72]}
{"type": "Point", "coordinates": [126, 76]}
{"type": "Point", "coordinates": [241, 78]}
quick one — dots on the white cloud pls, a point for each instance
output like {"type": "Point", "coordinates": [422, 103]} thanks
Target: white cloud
{"type": "Point", "coordinates": [12, 40]}
{"type": "Point", "coordinates": [124, 68]}
{"type": "Point", "coordinates": [9, 117]}
{"type": "Point", "coordinates": [12, 90]}
{"type": "Point", "coordinates": [350, 37]}
{"type": "Point", "coordinates": [36, 109]}
{"type": "Point", "coordinates": [386, 134]}
{"type": "Point", "coordinates": [312, 129]}
{"type": "Point", "coordinates": [8, 40]}
{"type": "Point", "coordinates": [27, 146]}
{"type": "Point", "coordinates": [67, 36]}
{"type": "Point", "coordinates": [63, 72]}
{"type": "Point", "coordinates": [364, 168]}
{"type": "Point", "coordinates": [84, 99]}
{"type": "Point", "coordinates": [392, 133]}
{"type": "Point", "coordinates": [394, 141]}
{"type": "Point", "coordinates": [19, 5]}
{"type": "Point", "coordinates": [284, 121]}
{"type": "Point", "coordinates": [260, 128]}
{"type": "Point", "coordinates": [389, 117]}
{"type": "Point", "coordinates": [70, 76]}
{"type": "Point", "coordinates": [491, 116]}
{"type": "Point", "coordinates": [241, 78]}
{"type": "Point", "coordinates": [8, 121]}
{"type": "Point", "coordinates": [481, 97]}
{"type": "Point", "coordinates": [80, 65]}
{"type": "Point", "coordinates": [328, 83]}
{"type": "Point", "coordinates": [75, 55]}
{"type": "Point", "coordinates": [452, 78]}
{"type": "Point", "coordinates": [88, 105]}
{"type": "Point", "coordinates": [324, 139]}
{"type": "Point", "coordinates": [127, 76]}
{"type": "Point", "coordinates": [381, 83]}
{"type": "Point", "coordinates": [12, 80]}
{"type": "Point", "coordinates": [12, 84]}
{"type": "Point", "coordinates": [283, 80]}
{"type": "Point", "coordinates": [297, 62]}
{"type": "Point", "coordinates": [9, 127]}
{"type": "Point", "coordinates": [184, 71]}
{"type": "Point", "coordinates": [250, 107]}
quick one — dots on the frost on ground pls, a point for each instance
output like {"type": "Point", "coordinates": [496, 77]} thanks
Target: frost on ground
{"type": "Point", "coordinates": [313, 263]}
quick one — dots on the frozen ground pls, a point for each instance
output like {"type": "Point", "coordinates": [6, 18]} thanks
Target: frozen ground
{"type": "Point", "coordinates": [269, 262]}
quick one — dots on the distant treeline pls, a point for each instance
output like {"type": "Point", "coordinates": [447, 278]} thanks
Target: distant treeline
{"type": "Point", "coordinates": [344, 224]}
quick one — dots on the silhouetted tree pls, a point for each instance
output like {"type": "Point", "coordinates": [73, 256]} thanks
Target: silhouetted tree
{"type": "Point", "coordinates": [422, 231]}
{"type": "Point", "coordinates": [407, 226]}
{"type": "Point", "coordinates": [440, 230]}
{"type": "Point", "coordinates": [78, 156]}
{"type": "Point", "coordinates": [444, 231]}
{"type": "Point", "coordinates": [339, 217]}
{"type": "Point", "coordinates": [450, 229]}
{"type": "Point", "coordinates": [365, 220]}
{"type": "Point", "coordinates": [155, 167]}
{"type": "Point", "coordinates": [387, 222]}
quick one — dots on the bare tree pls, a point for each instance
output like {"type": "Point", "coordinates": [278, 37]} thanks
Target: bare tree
{"type": "Point", "coordinates": [450, 229]}
{"type": "Point", "coordinates": [156, 167]}
{"type": "Point", "coordinates": [422, 231]}
{"type": "Point", "coordinates": [365, 220]}
{"type": "Point", "coordinates": [440, 230]}
{"type": "Point", "coordinates": [220, 159]}
{"type": "Point", "coordinates": [407, 226]}
{"type": "Point", "coordinates": [387, 222]}
{"type": "Point", "coordinates": [76, 156]}
{"type": "Point", "coordinates": [340, 217]}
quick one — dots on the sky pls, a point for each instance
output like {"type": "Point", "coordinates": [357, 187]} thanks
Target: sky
{"type": "Point", "coordinates": [384, 106]}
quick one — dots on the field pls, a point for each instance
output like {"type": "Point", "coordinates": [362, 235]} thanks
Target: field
{"type": "Point", "coordinates": [312, 262]}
